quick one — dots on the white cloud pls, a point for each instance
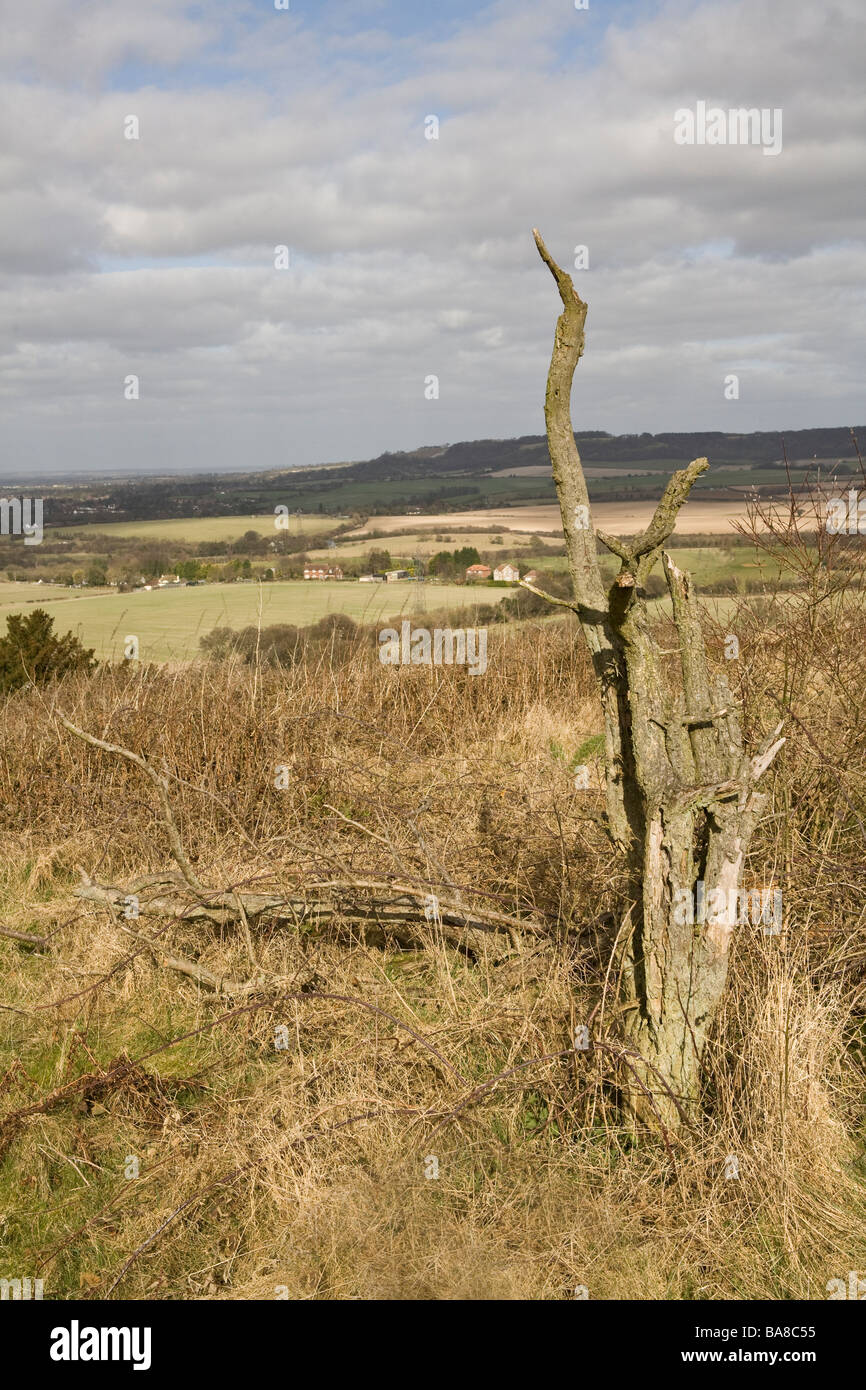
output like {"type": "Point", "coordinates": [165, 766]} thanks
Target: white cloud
{"type": "Point", "coordinates": [412, 256]}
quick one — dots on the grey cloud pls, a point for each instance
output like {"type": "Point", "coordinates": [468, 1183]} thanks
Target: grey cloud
{"type": "Point", "coordinates": [414, 256]}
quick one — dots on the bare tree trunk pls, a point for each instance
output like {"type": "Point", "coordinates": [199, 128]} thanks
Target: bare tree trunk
{"type": "Point", "coordinates": [681, 804]}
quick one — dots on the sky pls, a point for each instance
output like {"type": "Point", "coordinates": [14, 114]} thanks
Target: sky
{"type": "Point", "coordinates": [724, 281]}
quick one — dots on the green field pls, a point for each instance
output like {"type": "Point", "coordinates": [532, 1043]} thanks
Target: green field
{"type": "Point", "coordinates": [197, 528]}
{"type": "Point", "coordinates": [169, 622]}
{"type": "Point", "coordinates": [14, 597]}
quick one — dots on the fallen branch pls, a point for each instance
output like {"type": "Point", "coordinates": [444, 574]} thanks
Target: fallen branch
{"type": "Point", "coordinates": [36, 943]}
{"type": "Point", "coordinates": [404, 912]}
{"type": "Point", "coordinates": [401, 910]}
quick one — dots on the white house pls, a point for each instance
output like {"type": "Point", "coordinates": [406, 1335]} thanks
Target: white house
{"type": "Point", "coordinates": [506, 574]}
{"type": "Point", "coordinates": [319, 571]}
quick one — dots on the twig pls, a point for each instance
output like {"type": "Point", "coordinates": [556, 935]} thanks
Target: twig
{"type": "Point", "coordinates": [39, 943]}
{"type": "Point", "coordinates": [161, 784]}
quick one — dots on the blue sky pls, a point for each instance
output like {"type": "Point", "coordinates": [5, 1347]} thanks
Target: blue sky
{"type": "Point", "coordinates": [409, 256]}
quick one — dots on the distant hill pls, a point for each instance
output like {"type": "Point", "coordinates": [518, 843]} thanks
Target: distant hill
{"type": "Point", "coordinates": [454, 477]}
{"type": "Point", "coordinates": [596, 446]}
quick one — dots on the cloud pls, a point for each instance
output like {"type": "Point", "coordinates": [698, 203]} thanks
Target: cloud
{"type": "Point", "coordinates": [413, 256]}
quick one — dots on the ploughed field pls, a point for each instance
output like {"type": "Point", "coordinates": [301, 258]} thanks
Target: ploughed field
{"type": "Point", "coordinates": [622, 518]}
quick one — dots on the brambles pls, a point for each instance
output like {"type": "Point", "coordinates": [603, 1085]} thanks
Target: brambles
{"type": "Point", "coordinates": [395, 776]}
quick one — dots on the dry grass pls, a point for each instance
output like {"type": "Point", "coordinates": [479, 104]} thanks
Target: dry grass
{"type": "Point", "coordinates": [303, 1167]}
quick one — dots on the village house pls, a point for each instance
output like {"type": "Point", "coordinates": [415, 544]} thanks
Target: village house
{"type": "Point", "coordinates": [507, 573]}
{"type": "Point", "coordinates": [532, 576]}
{"type": "Point", "coordinates": [478, 572]}
{"type": "Point", "coordinates": [319, 571]}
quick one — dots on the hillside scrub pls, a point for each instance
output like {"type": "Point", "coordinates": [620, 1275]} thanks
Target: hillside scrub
{"type": "Point", "coordinates": [32, 653]}
{"type": "Point", "coordinates": [284, 1139]}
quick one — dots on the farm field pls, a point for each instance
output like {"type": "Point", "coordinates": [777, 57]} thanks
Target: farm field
{"type": "Point", "coordinates": [14, 597]}
{"type": "Point", "coordinates": [197, 528]}
{"type": "Point", "coordinates": [706, 563]}
{"type": "Point", "coordinates": [409, 544]}
{"type": "Point", "coordinates": [623, 518]}
{"type": "Point", "coordinates": [169, 622]}
{"type": "Point", "coordinates": [542, 470]}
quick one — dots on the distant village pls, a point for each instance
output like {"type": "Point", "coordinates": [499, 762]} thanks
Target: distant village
{"type": "Point", "coordinates": [507, 573]}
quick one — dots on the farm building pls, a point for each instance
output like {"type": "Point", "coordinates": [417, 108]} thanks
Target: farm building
{"type": "Point", "coordinates": [317, 571]}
